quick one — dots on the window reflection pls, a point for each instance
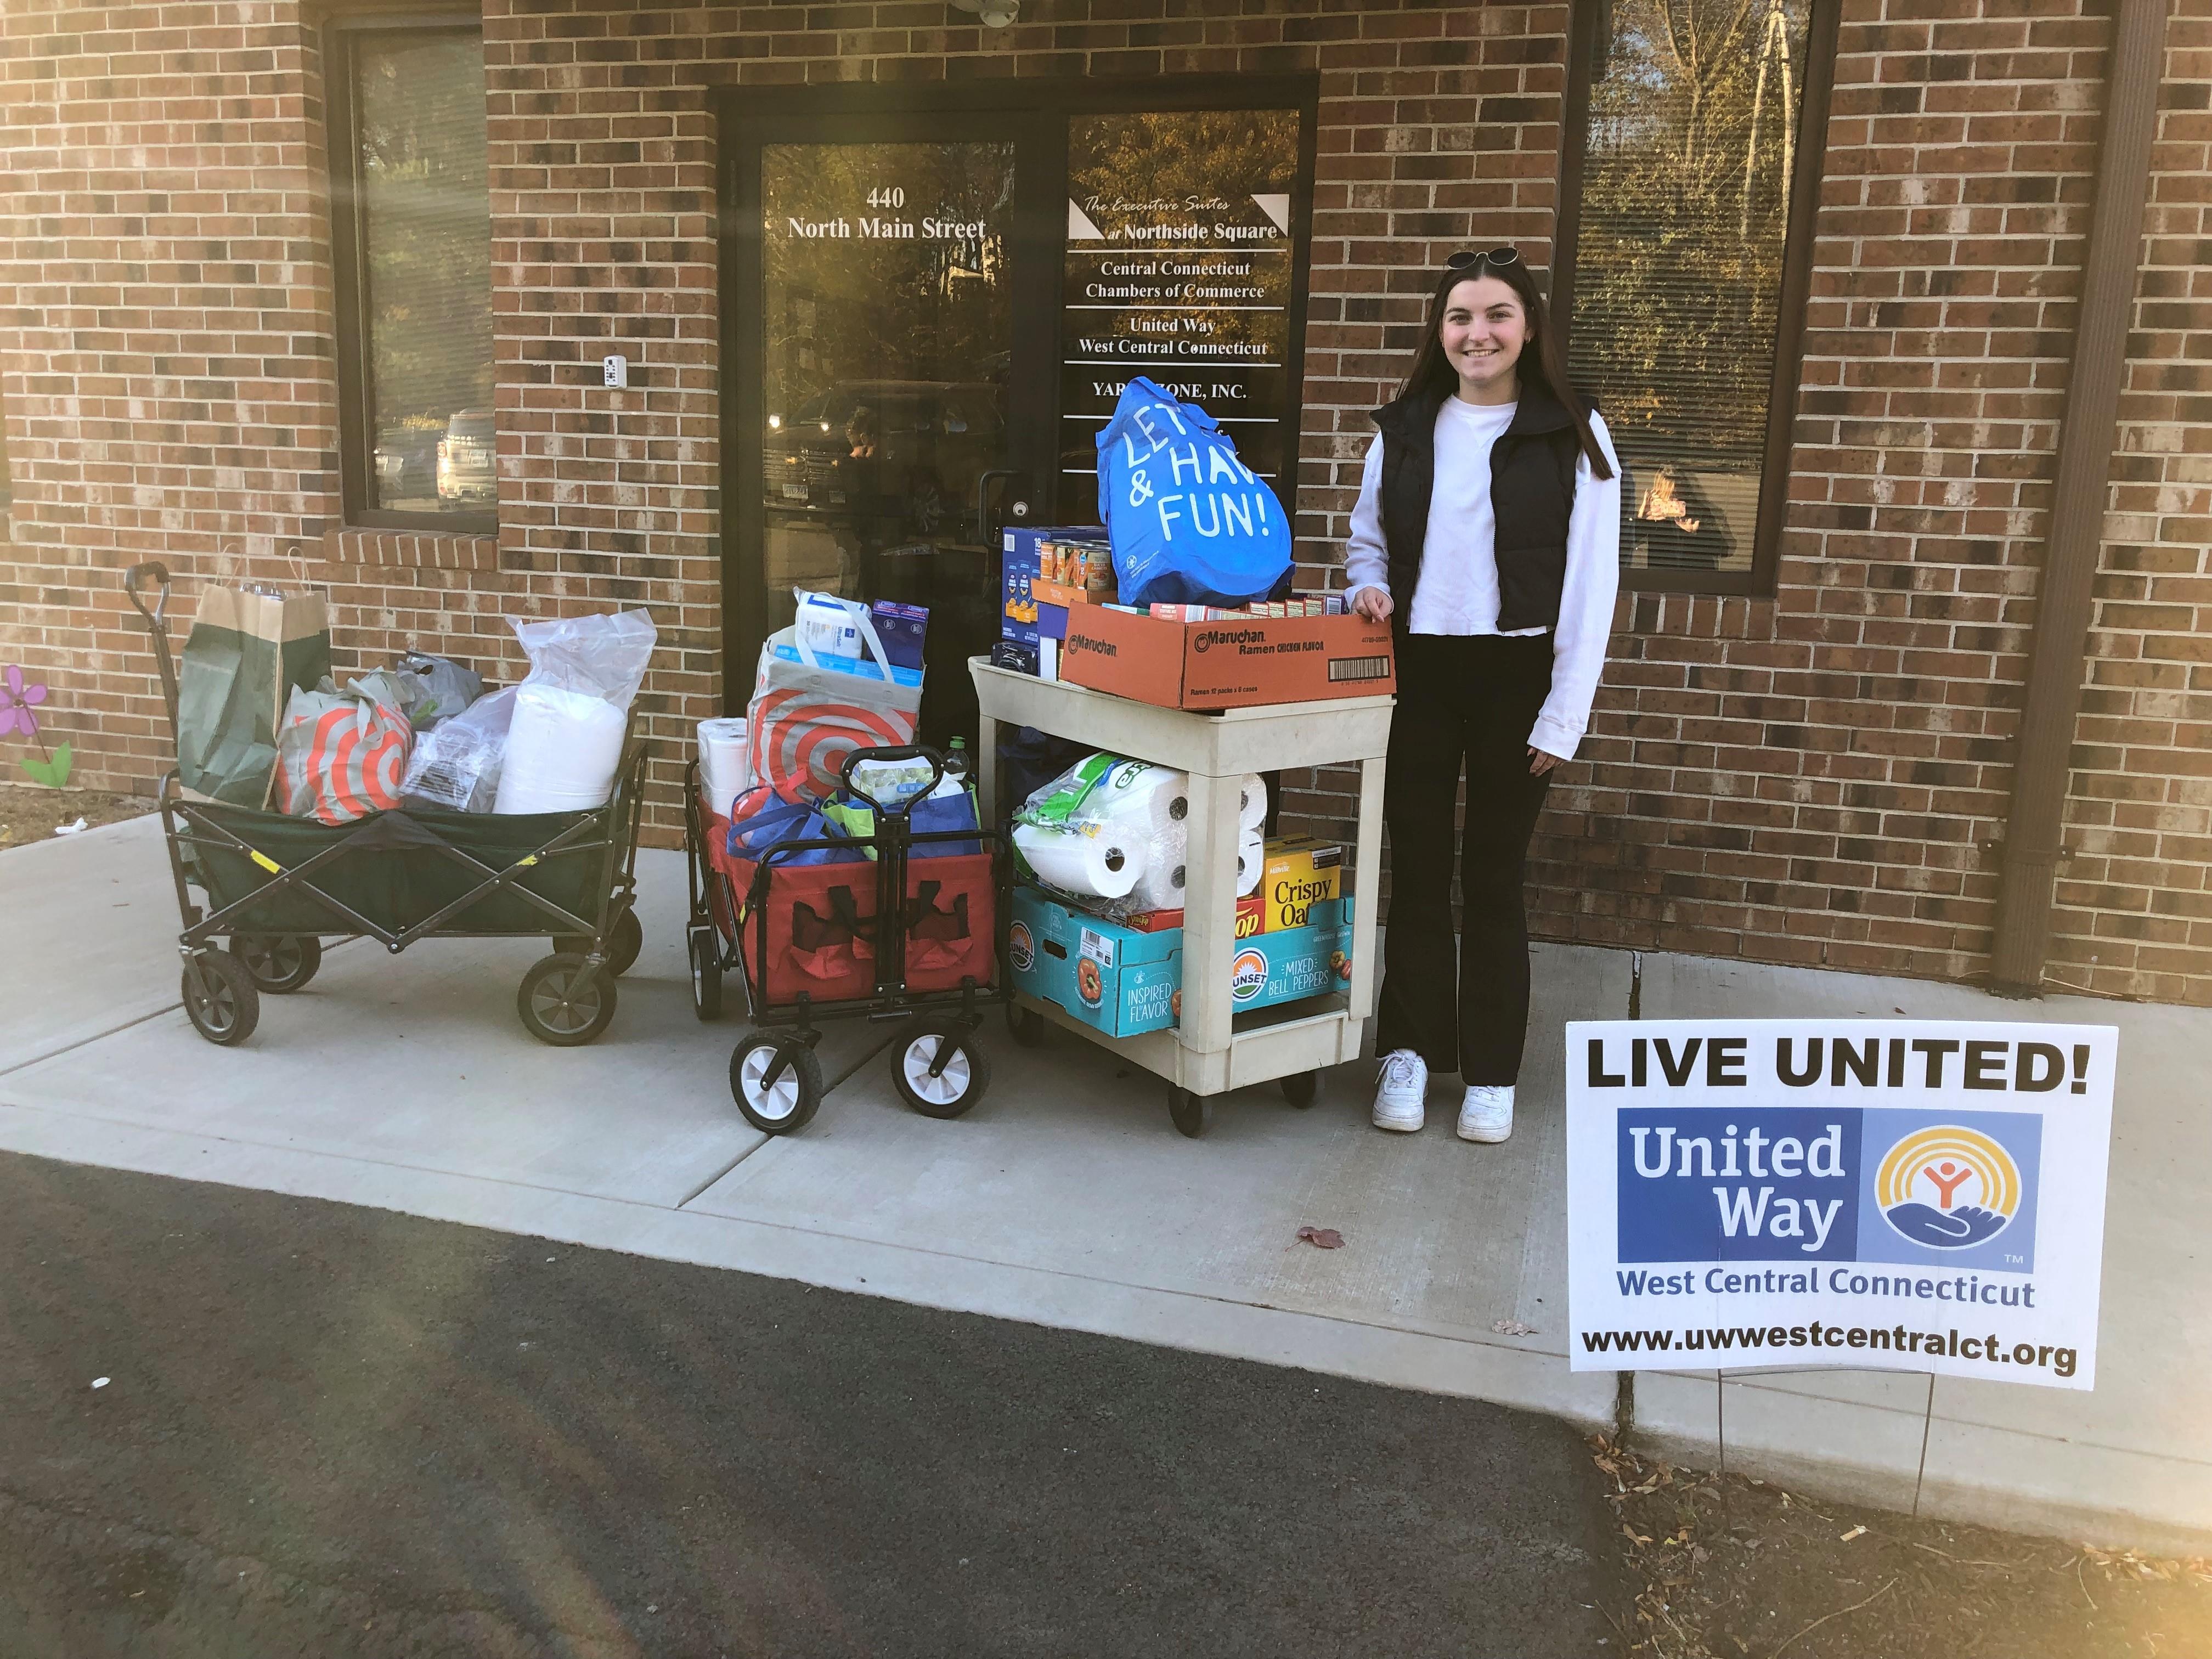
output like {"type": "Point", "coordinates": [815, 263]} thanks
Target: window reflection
{"type": "Point", "coordinates": [888, 319]}
{"type": "Point", "coordinates": [425, 230]}
{"type": "Point", "coordinates": [1688, 155]}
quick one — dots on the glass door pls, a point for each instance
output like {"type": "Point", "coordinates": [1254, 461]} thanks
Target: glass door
{"type": "Point", "coordinates": [883, 443]}
{"type": "Point", "coordinates": [929, 313]}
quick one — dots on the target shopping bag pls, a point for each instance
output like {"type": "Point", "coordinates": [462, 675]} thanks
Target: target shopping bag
{"type": "Point", "coordinates": [341, 755]}
{"type": "Point", "coordinates": [809, 710]}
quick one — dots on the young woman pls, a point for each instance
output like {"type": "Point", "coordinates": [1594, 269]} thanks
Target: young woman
{"type": "Point", "coordinates": [1488, 533]}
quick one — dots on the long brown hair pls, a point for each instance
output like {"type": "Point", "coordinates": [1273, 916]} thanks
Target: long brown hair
{"type": "Point", "coordinates": [1542, 360]}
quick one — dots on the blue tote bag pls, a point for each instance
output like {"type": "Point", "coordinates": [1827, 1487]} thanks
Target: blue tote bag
{"type": "Point", "coordinates": [1190, 523]}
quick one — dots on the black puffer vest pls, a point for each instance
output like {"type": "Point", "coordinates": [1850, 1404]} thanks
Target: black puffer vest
{"type": "Point", "coordinates": [1532, 491]}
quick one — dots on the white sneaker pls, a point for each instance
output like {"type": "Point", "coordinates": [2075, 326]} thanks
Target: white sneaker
{"type": "Point", "coordinates": [1487, 1114]}
{"type": "Point", "coordinates": [1401, 1090]}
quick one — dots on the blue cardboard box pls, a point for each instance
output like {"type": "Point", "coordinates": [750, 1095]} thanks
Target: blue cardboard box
{"type": "Point", "coordinates": [1023, 617]}
{"type": "Point", "coordinates": [1125, 980]}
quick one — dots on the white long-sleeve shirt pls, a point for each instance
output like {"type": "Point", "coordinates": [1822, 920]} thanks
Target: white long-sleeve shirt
{"type": "Point", "coordinates": [1458, 593]}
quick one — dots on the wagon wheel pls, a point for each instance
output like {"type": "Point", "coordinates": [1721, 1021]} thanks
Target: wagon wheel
{"type": "Point", "coordinates": [704, 947]}
{"type": "Point", "coordinates": [623, 943]}
{"type": "Point", "coordinates": [279, 966]}
{"type": "Point", "coordinates": [776, 1080]}
{"type": "Point", "coordinates": [563, 1003]}
{"type": "Point", "coordinates": [938, 1068]}
{"type": "Point", "coordinates": [220, 999]}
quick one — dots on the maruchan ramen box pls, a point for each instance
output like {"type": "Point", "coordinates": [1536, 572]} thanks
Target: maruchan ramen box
{"type": "Point", "coordinates": [1125, 980]}
{"type": "Point", "coordinates": [1233, 663]}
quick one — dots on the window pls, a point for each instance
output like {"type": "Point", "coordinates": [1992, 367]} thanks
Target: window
{"type": "Point", "coordinates": [411, 210]}
{"type": "Point", "coordinates": [1683, 271]}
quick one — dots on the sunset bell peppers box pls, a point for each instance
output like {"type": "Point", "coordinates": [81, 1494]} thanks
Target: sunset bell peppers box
{"type": "Point", "coordinates": [1125, 980]}
{"type": "Point", "coordinates": [1237, 662]}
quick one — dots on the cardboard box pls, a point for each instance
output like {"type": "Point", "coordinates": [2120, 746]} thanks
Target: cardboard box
{"type": "Point", "coordinates": [1235, 662]}
{"type": "Point", "coordinates": [1301, 874]}
{"type": "Point", "coordinates": [1251, 917]}
{"type": "Point", "coordinates": [1022, 615]}
{"type": "Point", "coordinates": [1125, 980]}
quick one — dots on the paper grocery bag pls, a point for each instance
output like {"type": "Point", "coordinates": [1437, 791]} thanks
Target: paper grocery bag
{"type": "Point", "coordinates": [247, 651]}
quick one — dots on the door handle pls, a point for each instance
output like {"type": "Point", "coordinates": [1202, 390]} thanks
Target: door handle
{"type": "Point", "coordinates": [1016, 509]}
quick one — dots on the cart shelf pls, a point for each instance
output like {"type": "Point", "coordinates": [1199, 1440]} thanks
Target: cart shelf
{"type": "Point", "coordinates": [1214, 1049]}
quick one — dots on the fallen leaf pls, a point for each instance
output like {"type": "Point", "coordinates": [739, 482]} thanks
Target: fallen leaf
{"type": "Point", "coordinates": [1326, 1238]}
{"type": "Point", "coordinates": [1513, 1327]}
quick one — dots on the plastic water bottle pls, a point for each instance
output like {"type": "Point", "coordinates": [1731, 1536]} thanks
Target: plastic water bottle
{"type": "Point", "coordinates": [956, 763]}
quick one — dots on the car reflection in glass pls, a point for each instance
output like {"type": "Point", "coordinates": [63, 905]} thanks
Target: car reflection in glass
{"type": "Point", "coordinates": [905, 450]}
{"type": "Point", "coordinates": [466, 469]}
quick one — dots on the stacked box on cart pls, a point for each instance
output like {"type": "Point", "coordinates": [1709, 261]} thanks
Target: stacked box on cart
{"type": "Point", "coordinates": [1024, 616]}
{"type": "Point", "coordinates": [1126, 980]}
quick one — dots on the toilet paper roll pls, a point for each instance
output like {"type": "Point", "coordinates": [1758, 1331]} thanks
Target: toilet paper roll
{"type": "Point", "coordinates": [725, 770]}
{"type": "Point", "coordinates": [1105, 864]}
{"type": "Point", "coordinates": [1252, 810]}
{"type": "Point", "coordinates": [1251, 862]}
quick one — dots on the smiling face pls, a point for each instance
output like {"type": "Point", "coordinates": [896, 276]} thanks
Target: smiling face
{"type": "Point", "coordinates": [1484, 332]}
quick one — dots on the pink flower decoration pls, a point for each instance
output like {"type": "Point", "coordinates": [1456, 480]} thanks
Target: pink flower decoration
{"type": "Point", "coordinates": [16, 700]}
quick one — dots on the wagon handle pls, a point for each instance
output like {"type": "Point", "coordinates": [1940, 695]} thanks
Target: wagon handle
{"type": "Point", "coordinates": [157, 626]}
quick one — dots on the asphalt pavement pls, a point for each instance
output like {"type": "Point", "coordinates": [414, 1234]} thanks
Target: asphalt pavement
{"type": "Point", "coordinates": [330, 1431]}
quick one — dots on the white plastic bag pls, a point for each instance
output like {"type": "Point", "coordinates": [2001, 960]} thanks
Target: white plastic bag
{"type": "Point", "coordinates": [457, 763]}
{"type": "Point", "coordinates": [602, 656]}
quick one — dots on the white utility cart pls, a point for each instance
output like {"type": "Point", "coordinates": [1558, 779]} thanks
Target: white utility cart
{"type": "Point", "coordinates": [1214, 1049]}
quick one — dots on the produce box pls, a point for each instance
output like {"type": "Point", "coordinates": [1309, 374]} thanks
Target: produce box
{"type": "Point", "coordinates": [1125, 980]}
{"type": "Point", "coordinates": [1234, 663]}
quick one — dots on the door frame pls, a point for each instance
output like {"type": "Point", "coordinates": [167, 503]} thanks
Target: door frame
{"type": "Point", "coordinates": [1032, 114]}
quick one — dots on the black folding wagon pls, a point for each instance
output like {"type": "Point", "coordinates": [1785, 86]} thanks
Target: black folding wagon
{"type": "Point", "coordinates": [275, 887]}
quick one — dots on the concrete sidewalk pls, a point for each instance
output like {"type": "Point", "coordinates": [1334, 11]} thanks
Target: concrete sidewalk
{"type": "Point", "coordinates": [1065, 1199]}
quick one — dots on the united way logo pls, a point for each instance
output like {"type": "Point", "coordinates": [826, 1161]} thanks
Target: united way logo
{"type": "Point", "coordinates": [1947, 1188]}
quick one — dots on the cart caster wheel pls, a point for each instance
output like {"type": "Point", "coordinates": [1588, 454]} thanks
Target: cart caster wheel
{"type": "Point", "coordinates": [622, 945]}
{"type": "Point", "coordinates": [776, 1082]}
{"type": "Point", "coordinates": [705, 946]}
{"type": "Point", "coordinates": [1191, 1113]}
{"type": "Point", "coordinates": [1301, 1089]}
{"type": "Point", "coordinates": [278, 965]}
{"type": "Point", "coordinates": [961, 1071]}
{"type": "Point", "coordinates": [1031, 1030]}
{"type": "Point", "coordinates": [220, 1000]}
{"type": "Point", "coordinates": [558, 1006]}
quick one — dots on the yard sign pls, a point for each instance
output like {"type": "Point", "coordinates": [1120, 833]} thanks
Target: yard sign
{"type": "Point", "coordinates": [1908, 1195]}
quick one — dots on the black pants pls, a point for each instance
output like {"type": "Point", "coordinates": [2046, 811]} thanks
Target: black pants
{"type": "Point", "coordinates": [1469, 698]}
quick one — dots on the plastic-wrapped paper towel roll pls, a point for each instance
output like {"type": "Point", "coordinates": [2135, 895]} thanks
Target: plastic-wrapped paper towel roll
{"type": "Point", "coordinates": [1251, 862]}
{"type": "Point", "coordinates": [1252, 809]}
{"type": "Point", "coordinates": [1105, 864]}
{"type": "Point", "coordinates": [1167, 872]}
{"type": "Point", "coordinates": [1161, 886]}
{"type": "Point", "coordinates": [562, 751]}
{"type": "Point", "coordinates": [1152, 800]}
{"type": "Point", "coordinates": [725, 771]}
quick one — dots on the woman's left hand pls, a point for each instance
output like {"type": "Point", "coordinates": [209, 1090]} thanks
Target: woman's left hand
{"type": "Point", "coordinates": [1541, 762]}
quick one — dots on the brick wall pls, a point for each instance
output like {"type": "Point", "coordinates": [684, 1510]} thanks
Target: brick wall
{"type": "Point", "coordinates": [1818, 777]}
{"type": "Point", "coordinates": [2135, 905]}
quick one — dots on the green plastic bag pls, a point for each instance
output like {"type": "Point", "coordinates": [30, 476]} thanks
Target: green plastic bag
{"type": "Point", "coordinates": [247, 651]}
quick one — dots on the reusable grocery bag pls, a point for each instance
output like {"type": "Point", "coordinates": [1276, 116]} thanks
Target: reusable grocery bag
{"type": "Point", "coordinates": [809, 712]}
{"type": "Point", "coordinates": [1190, 523]}
{"type": "Point", "coordinates": [342, 755]}
{"type": "Point", "coordinates": [248, 651]}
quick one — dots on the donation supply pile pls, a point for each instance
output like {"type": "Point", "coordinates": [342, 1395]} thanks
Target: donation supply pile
{"type": "Point", "coordinates": [846, 676]}
{"type": "Point", "coordinates": [424, 733]}
{"type": "Point", "coordinates": [1102, 855]}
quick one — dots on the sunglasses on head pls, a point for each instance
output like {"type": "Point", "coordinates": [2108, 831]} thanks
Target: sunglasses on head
{"type": "Point", "coordinates": [1497, 256]}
